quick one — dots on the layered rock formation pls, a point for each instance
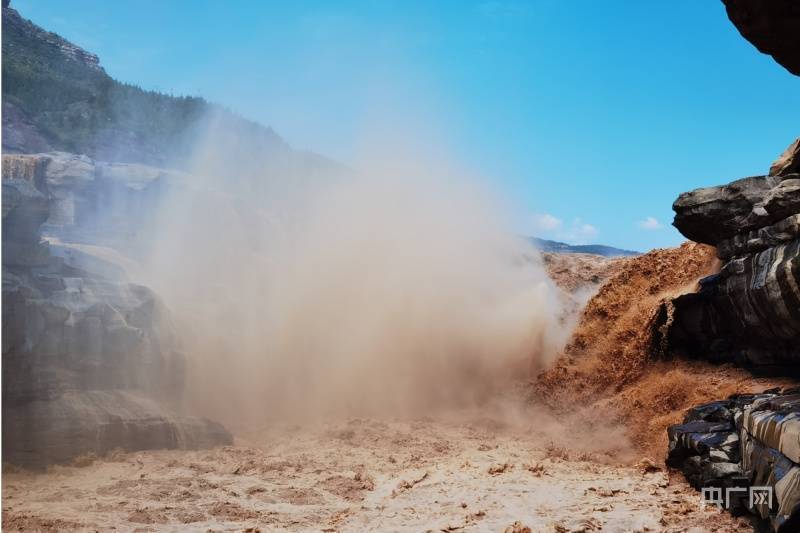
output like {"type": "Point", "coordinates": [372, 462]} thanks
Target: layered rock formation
{"type": "Point", "coordinates": [90, 362]}
{"type": "Point", "coordinates": [749, 441]}
{"type": "Point", "coordinates": [95, 202]}
{"type": "Point", "coordinates": [748, 313]}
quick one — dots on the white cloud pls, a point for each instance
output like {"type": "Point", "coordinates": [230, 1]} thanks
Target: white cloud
{"type": "Point", "coordinates": [551, 227]}
{"type": "Point", "coordinates": [546, 222]}
{"type": "Point", "coordinates": [579, 232]}
{"type": "Point", "coordinates": [585, 230]}
{"type": "Point", "coordinates": [650, 223]}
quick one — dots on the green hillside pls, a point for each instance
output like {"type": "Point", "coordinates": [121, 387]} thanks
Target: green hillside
{"type": "Point", "coordinates": [57, 97]}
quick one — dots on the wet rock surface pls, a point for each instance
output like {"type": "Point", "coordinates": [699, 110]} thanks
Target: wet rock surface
{"type": "Point", "coordinates": [90, 362]}
{"type": "Point", "coordinates": [749, 441]}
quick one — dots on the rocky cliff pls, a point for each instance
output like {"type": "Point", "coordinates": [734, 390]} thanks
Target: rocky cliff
{"type": "Point", "coordinates": [90, 361]}
{"type": "Point", "coordinates": [748, 313]}
{"type": "Point", "coordinates": [57, 97]}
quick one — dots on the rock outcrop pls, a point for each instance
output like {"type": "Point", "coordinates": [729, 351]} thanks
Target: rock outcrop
{"type": "Point", "coordinates": [749, 442]}
{"type": "Point", "coordinates": [95, 202]}
{"type": "Point", "coordinates": [772, 26]}
{"type": "Point", "coordinates": [748, 313]}
{"type": "Point", "coordinates": [90, 362]}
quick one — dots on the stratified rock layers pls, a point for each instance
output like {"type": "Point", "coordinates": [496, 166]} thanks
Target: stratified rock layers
{"type": "Point", "coordinates": [749, 313]}
{"type": "Point", "coordinates": [90, 362]}
{"type": "Point", "coordinates": [749, 441]}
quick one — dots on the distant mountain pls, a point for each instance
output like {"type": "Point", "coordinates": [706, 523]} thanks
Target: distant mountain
{"type": "Point", "coordinates": [56, 96]}
{"type": "Point", "coordinates": [564, 248]}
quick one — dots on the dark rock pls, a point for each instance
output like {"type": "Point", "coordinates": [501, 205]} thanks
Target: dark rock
{"type": "Point", "coordinates": [772, 26]}
{"type": "Point", "coordinates": [748, 313]}
{"type": "Point", "coordinates": [758, 451]}
{"type": "Point", "coordinates": [699, 437]}
{"type": "Point", "coordinates": [713, 214]}
{"type": "Point", "coordinates": [750, 242]}
{"type": "Point", "coordinates": [711, 412]}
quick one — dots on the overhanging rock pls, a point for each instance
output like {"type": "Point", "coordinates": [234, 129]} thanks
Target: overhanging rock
{"type": "Point", "coordinates": [748, 313]}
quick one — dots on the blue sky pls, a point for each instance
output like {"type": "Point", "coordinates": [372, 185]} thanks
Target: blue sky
{"type": "Point", "coordinates": [592, 116]}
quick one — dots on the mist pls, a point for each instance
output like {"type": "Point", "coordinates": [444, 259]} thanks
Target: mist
{"type": "Point", "coordinates": [396, 286]}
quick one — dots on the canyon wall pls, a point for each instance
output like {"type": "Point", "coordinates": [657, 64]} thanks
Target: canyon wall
{"type": "Point", "coordinates": [748, 314]}
{"type": "Point", "coordinates": [90, 360]}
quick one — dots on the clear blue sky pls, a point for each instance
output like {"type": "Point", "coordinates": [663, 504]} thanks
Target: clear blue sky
{"type": "Point", "coordinates": [592, 115]}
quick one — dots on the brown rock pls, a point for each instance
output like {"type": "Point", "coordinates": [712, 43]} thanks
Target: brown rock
{"type": "Point", "coordinates": [788, 162]}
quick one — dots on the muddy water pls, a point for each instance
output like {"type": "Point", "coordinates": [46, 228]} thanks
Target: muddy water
{"type": "Point", "coordinates": [355, 475]}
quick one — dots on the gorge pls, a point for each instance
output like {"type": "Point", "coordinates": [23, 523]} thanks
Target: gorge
{"type": "Point", "coordinates": [206, 328]}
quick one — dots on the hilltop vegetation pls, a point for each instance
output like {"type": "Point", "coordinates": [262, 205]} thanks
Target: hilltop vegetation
{"type": "Point", "coordinates": [57, 97]}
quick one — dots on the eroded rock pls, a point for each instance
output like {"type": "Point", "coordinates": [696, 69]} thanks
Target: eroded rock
{"type": "Point", "coordinates": [90, 361]}
{"type": "Point", "coordinates": [747, 441]}
{"type": "Point", "coordinates": [788, 162]}
{"type": "Point", "coordinates": [748, 313]}
{"type": "Point", "coordinates": [712, 214]}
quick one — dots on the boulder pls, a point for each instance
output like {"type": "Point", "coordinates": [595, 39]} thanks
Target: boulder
{"type": "Point", "coordinates": [748, 440]}
{"type": "Point", "coordinates": [748, 314]}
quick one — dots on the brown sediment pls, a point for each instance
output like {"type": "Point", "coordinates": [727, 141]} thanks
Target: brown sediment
{"type": "Point", "coordinates": [466, 473]}
{"type": "Point", "coordinates": [576, 272]}
{"type": "Point", "coordinates": [609, 367]}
